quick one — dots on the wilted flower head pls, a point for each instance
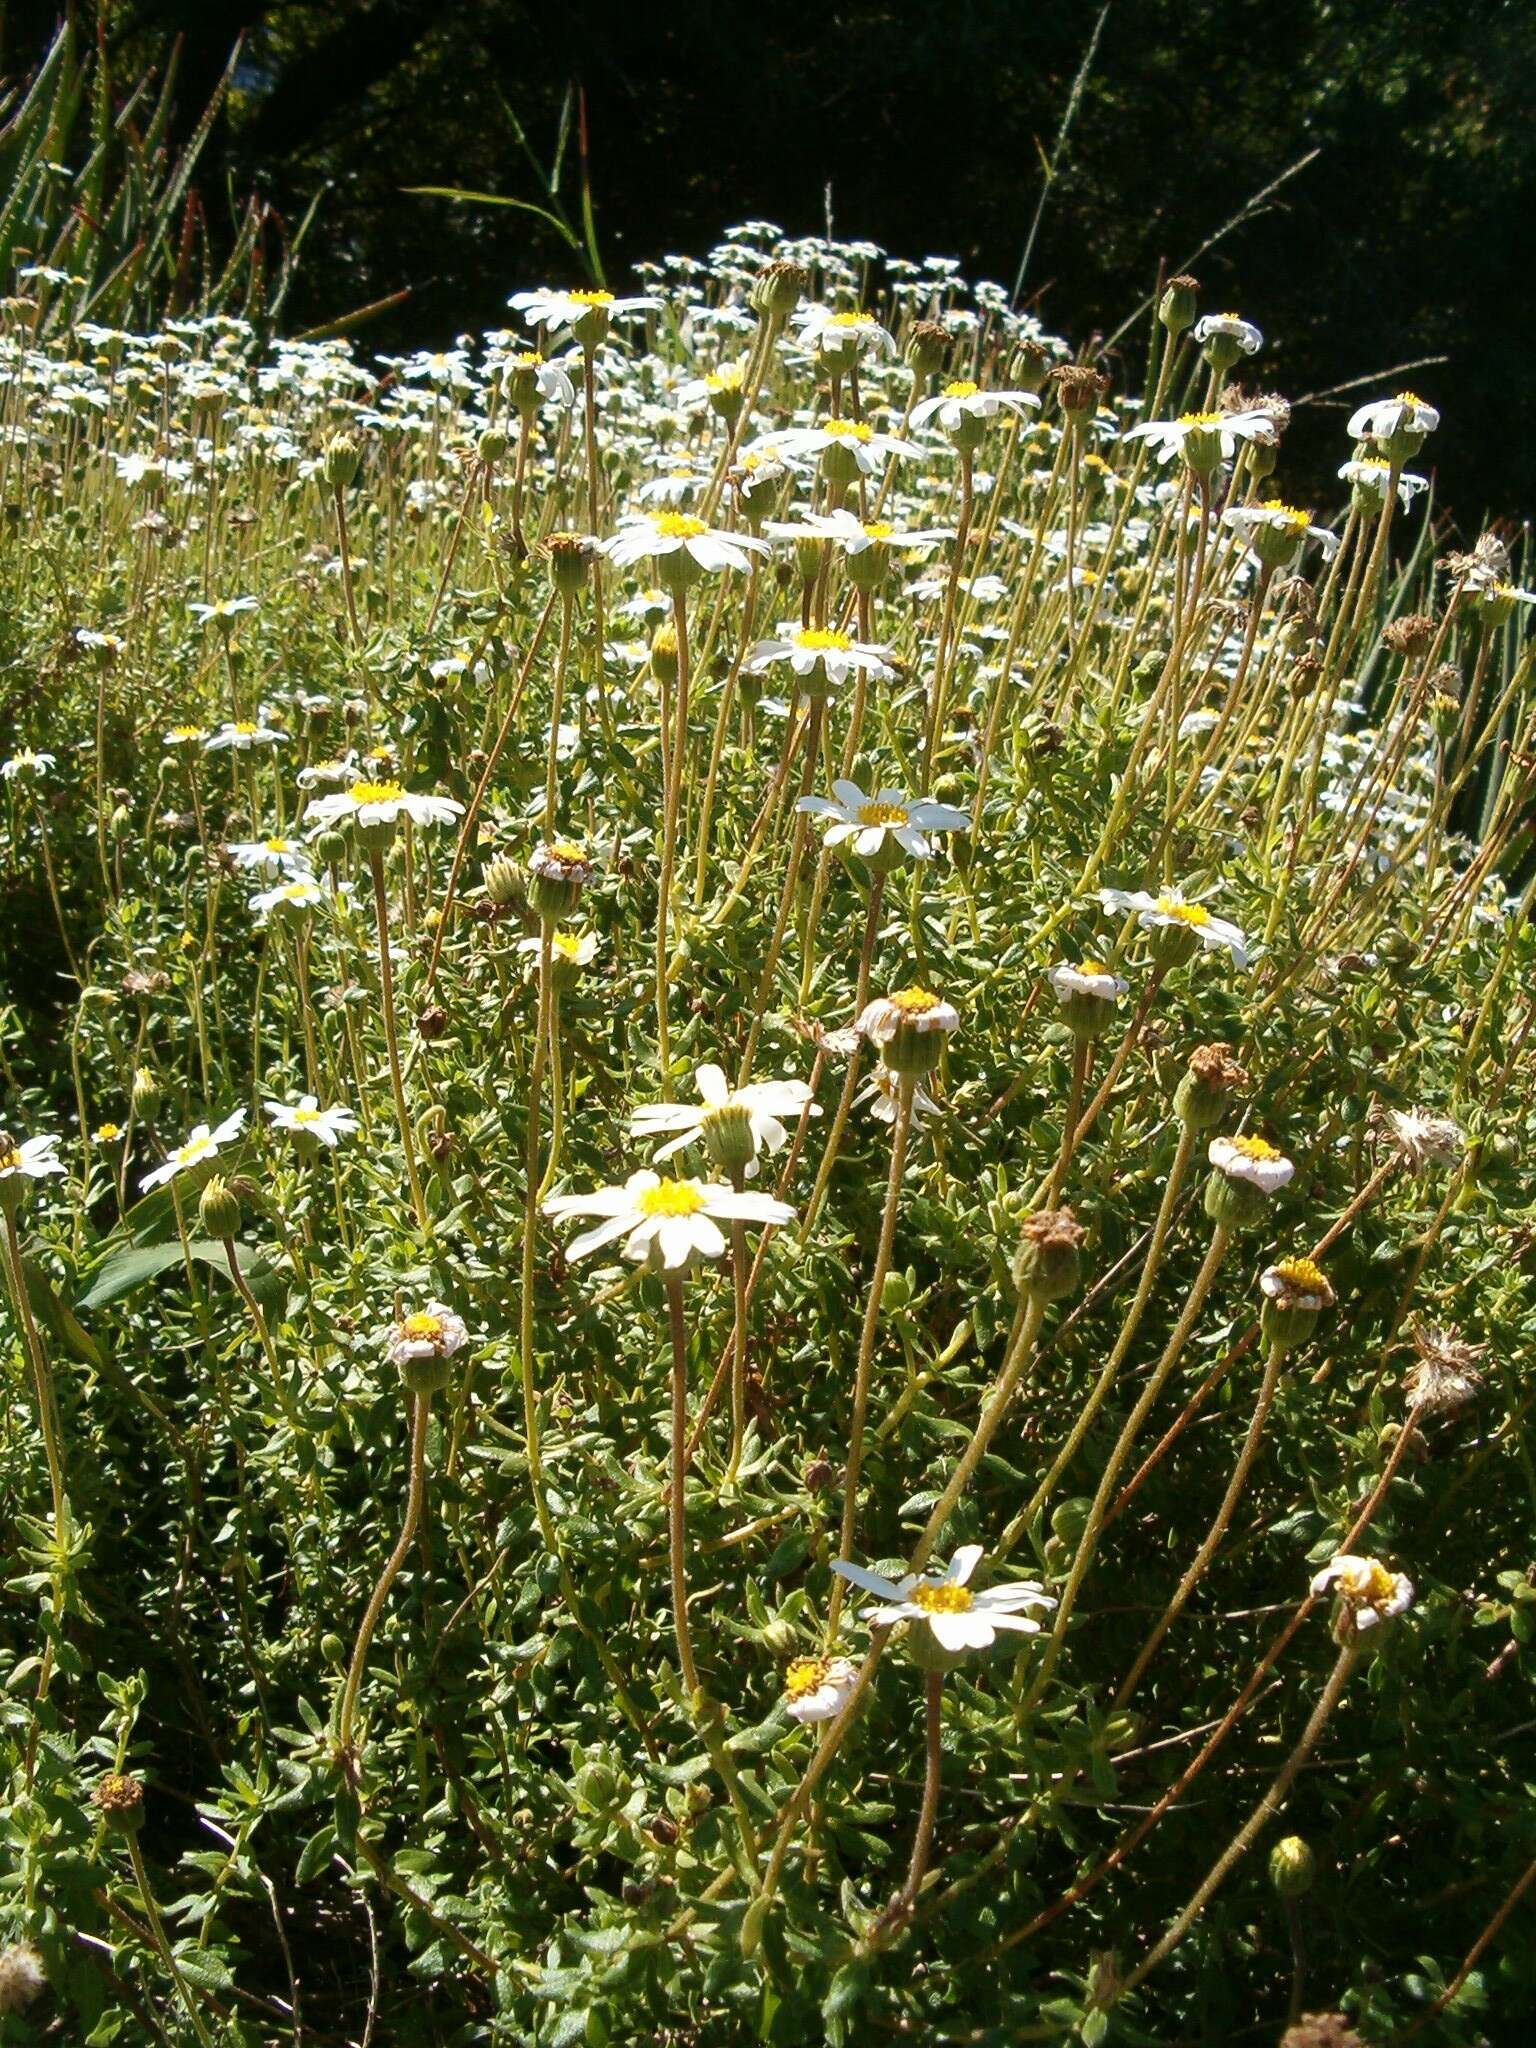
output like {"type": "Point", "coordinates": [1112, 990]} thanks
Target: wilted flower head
{"type": "Point", "coordinates": [1368, 1593]}
{"type": "Point", "coordinates": [1423, 1139]}
{"type": "Point", "coordinates": [22, 1977]}
{"type": "Point", "coordinates": [1444, 1378]}
{"type": "Point", "coordinates": [1297, 1284]}
{"type": "Point", "coordinates": [818, 1688]}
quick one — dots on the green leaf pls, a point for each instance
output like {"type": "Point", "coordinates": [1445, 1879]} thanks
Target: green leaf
{"type": "Point", "coordinates": [494, 199]}
{"type": "Point", "coordinates": [135, 1265]}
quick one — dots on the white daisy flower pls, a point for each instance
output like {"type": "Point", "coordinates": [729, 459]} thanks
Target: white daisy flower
{"type": "Point", "coordinates": [838, 336]}
{"type": "Point", "coordinates": [867, 450]}
{"type": "Point", "coordinates": [555, 311]}
{"type": "Point", "coordinates": [880, 1095]}
{"type": "Point", "coordinates": [547, 380]}
{"type": "Point", "coordinates": [27, 764]}
{"type": "Point", "coordinates": [1088, 978]}
{"type": "Point", "coordinates": [1169, 437]}
{"type": "Point", "coordinates": [1253, 1160]}
{"type": "Point", "coordinates": [818, 1688]}
{"type": "Point", "coordinates": [1368, 1592]}
{"type": "Point", "coordinates": [677, 1217]}
{"type": "Point", "coordinates": [32, 1159]}
{"type": "Point", "coordinates": [820, 650]}
{"type": "Point", "coordinates": [870, 820]}
{"type": "Point", "coordinates": [241, 735]}
{"type": "Point", "coordinates": [761, 1103]}
{"type": "Point", "coordinates": [909, 1009]}
{"type": "Point", "coordinates": [223, 611]}
{"type": "Point", "coordinates": [1370, 474]}
{"type": "Point", "coordinates": [962, 401]}
{"type": "Point", "coordinates": [185, 736]}
{"type": "Point", "coordinates": [380, 803]}
{"type": "Point", "coordinates": [1231, 327]}
{"type": "Point", "coordinates": [1385, 417]}
{"type": "Point", "coordinates": [854, 535]}
{"type": "Point", "coordinates": [201, 1144]}
{"type": "Point", "coordinates": [958, 1618]}
{"type": "Point", "coordinates": [302, 893]}
{"type": "Point", "coordinates": [1275, 530]}
{"type": "Point", "coordinates": [274, 856]}
{"type": "Point", "coordinates": [658, 534]}
{"type": "Point", "coordinates": [306, 1119]}
{"type": "Point", "coordinates": [1297, 1284]}
{"type": "Point", "coordinates": [432, 1332]}
{"type": "Point", "coordinates": [1173, 908]}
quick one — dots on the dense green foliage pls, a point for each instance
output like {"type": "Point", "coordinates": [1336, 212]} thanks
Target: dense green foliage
{"type": "Point", "coordinates": [392, 1631]}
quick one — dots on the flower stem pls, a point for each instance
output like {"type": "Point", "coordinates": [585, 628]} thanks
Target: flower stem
{"type": "Point", "coordinates": [415, 1499]}
{"type": "Point", "coordinates": [677, 1517]}
{"type": "Point", "coordinates": [162, 1944]}
{"type": "Point", "coordinates": [392, 1038]}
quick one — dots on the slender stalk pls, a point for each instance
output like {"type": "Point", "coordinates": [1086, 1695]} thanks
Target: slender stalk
{"type": "Point", "coordinates": [677, 1514]}
{"type": "Point", "coordinates": [392, 1038]}
{"type": "Point", "coordinates": [531, 1178]}
{"type": "Point", "coordinates": [928, 1813]}
{"type": "Point", "coordinates": [415, 1499]}
{"type": "Point", "coordinates": [162, 1943]}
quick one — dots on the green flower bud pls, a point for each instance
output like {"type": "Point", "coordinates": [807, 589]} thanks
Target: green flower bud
{"type": "Point", "coordinates": [927, 346]}
{"type": "Point", "coordinates": [331, 846]}
{"type": "Point", "coordinates": [569, 556]}
{"type": "Point", "coordinates": [492, 446]}
{"type": "Point", "coordinates": [778, 288]}
{"type": "Point", "coordinates": [340, 461]}
{"type": "Point", "coordinates": [504, 884]}
{"type": "Point", "coordinates": [145, 1096]}
{"type": "Point", "coordinates": [1234, 1204]}
{"type": "Point", "coordinates": [727, 1134]}
{"type": "Point", "coordinates": [1178, 305]}
{"type": "Point", "coordinates": [1047, 1266]}
{"type": "Point", "coordinates": [1292, 1867]}
{"type": "Point", "coordinates": [1204, 1095]}
{"type": "Point", "coordinates": [557, 874]}
{"type": "Point", "coordinates": [218, 1210]}
{"type": "Point", "coordinates": [664, 654]}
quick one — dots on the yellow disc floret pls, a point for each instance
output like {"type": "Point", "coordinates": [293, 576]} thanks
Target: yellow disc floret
{"type": "Point", "coordinates": [944, 1599]}
{"type": "Point", "coordinates": [672, 1198]}
{"type": "Point", "coordinates": [679, 526]}
{"type": "Point", "coordinates": [1194, 914]}
{"type": "Point", "coordinates": [882, 814]}
{"type": "Point", "coordinates": [822, 640]}
{"type": "Point", "coordinates": [362, 793]}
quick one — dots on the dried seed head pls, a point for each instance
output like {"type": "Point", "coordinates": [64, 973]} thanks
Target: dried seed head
{"type": "Point", "coordinates": [1079, 388]}
{"type": "Point", "coordinates": [1047, 1265]}
{"type": "Point", "coordinates": [1201, 1098]}
{"type": "Point", "coordinates": [1444, 1377]}
{"type": "Point", "coordinates": [1303, 675]}
{"type": "Point", "coordinates": [927, 346]}
{"type": "Point", "coordinates": [1421, 1139]}
{"type": "Point", "coordinates": [1411, 635]}
{"type": "Point", "coordinates": [779, 287]}
{"type": "Point", "coordinates": [119, 1800]}
{"type": "Point", "coordinates": [1321, 2030]}
{"type": "Point", "coordinates": [22, 1977]}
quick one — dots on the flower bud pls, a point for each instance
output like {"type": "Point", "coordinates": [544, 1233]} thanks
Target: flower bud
{"type": "Point", "coordinates": [1292, 1867]}
{"type": "Point", "coordinates": [503, 884]}
{"type": "Point", "coordinates": [1047, 1266]}
{"type": "Point", "coordinates": [1031, 366]}
{"type": "Point", "coordinates": [927, 346]}
{"type": "Point", "coordinates": [331, 846]}
{"type": "Point", "coordinates": [145, 1096]}
{"type": "Point", "coordinates": [569, 556]}
{"type": "Point", "coordinates": [340, 461]}
{"type": "Point", "coordinates": [492, 447]}
{"type": "Point", "coordinates": [1177, 307]}
{"type": "Point", "coordinates": [778, 288]}
{"type": "Point", "coordinates": [218, 1210]}
{"type": "Point", "coordinates": [664, 654]}
{"type": "Point", "coordinates": [727, 1135]}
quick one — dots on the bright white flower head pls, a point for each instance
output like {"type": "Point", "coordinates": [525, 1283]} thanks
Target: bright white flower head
{"type": "Point", "coordinates": [818, 1688]}
{"type": "Point", "coordinates": [761, 1103]}
{"type": "Point", "coordinates": [303, 893]}
{"type": "Point", "coordinates": [650, 534]}
{"type": "Point", "coordinates": [962, 401]}
{"type": "Point", "coordinates": [839, 335]}
{"type": "Point", "coordinates": [679, 1218]}
{"type": "Point", "coordinates": [1254, 1160]}
{"type": "Point", "coordinates": [1087, 978]}
{"type": "Point", "coordinates": [867, 449]}
{"type": "Point", "coordinates": [432, 1332]}
{"type": "Point", "coordinates": [1384, 417]}
{"type": "Point", "coordinates": [555, 311]}
{"type": "Point", "coordinates": [1368, 1593]}
{"type": "Point", "coordinates": [909, 1009]}
{"type": "Point", "coordinates": [1168, 437]}
{"type": "Point", "coordinates": [274, 856]}
{"type": "Point", "coordinates": [1297, 1284]}
{"type": "Point", "coordinates": [201, 1144]}
{"type": "Point", "coordinates": [224, 611]}
{"type": "Point", "coordinates": [306, 1119]}
{"type": "Point", "coordinates": [1371, 474]}
{"type": "Point", "coordinates": [868, 821]}
{"type": "Point", "coordinates": [1233, 328]}
{"type": "Point", "coordinates": [1172, 907]}
{"type": "Point", "coordinates": [958, 1618]}
{"type": "Point", "coordinates": [1275, 528]}
{"type": "Point", "coordinates": [548, 379]}
{"type": "Point", "coordinates": [27, 764]}
{"type": "Point", "coordinates": [853, 535]}
{"type": "Point", "coordinates": [380, 803]}
{"type": "Point", "coordinates": [814, 650]}
{"type": "Point", "coordinates": [32, 1159]}
{"type": "Point", "coordinates": [242, 734]}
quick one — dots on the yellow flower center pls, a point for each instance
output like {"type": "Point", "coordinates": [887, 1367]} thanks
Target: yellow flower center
{"type": "Point", "coordinates": [244, 727]}
{"type": "Point", "coordinates": [1256, 1148]}
{"type": "Point", "coordinates": [945, 1599]}
{"type": "Point", "coordinates": [671, 1198]}
{"type": "Point", "coordinates": [846, 430]}
{"type": "Point", "coordinates": [1305, 1274]}
{"type": "Point", "coordinates": [590, 298]}
{"type": "Point", "coordinates": [9, 1161]}
{"type": "Point", "coordinates": [306, 1116]}
{"type": "Point", "coordinates": [530, 359]}
{"type": "Point", "coordinates": [915, 1001]}
{"type": "Point", "coordinates": [376, 793]}
{"type": "Point", "coordinates": [1409, 398]}
{"type": "Point", "coordinates": [568, 851]}
{"type": "Point", "coordinates": [1092, 967]}
{"type": "Point", "coordinates": [105, 1133]}
{"type": "Point", "coordinates": [679, 526]}
{"type": "Point", "coordinates": [1375, 462]}
{"type": "Point", "coordinates": [186, 732]}
{"type": "Point", "coordinates": [1183, 913]}
{"type": "Point", "coordinates": [882, 814]}
{"type": "Point", "coordinates": [849, 320]}
{"type": "Point", "coordinates": [421, 1327]}
{"type": "Point", "coordinates": [193, 1150]}
{"type": "Point", "coordinates": [822, 640]}
{"type": "Point", "coordinates": [1381, 1586]}
{"type": "Point", "coordinates": [878, 529]}
{"type": "Point", "coordinates": [728, 377]}
{"type": "Point", "coordinates": [1281, 514]}
{"type": "Point", "coordinates": [278, 845]}
{"type": "Point", "coordinates": [803, 1676]}
{"type": "Point", "coordinates": [961, 388]}
{"type": "Point", "coordinates": [1199, 419]}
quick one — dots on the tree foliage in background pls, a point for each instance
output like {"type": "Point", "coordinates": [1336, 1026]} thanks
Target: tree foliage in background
{"type": "Point", "coordinates": [930, 126]}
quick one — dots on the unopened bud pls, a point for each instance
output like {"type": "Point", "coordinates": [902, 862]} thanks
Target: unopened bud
{"type": "Point", "coordinates": [218, 1210]}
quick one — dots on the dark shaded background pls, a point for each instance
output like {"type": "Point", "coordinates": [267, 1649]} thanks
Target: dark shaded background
{"type": "Point", "coordinates": [927, 120]}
